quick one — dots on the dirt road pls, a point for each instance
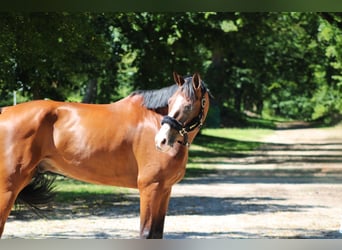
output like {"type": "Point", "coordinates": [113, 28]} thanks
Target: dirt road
{"type": "Point", "coordinates": [290, 188]}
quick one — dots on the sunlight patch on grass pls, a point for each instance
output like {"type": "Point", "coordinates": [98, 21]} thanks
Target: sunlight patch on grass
{"type": "Point", "coordinates": [240, 134]}
{"type": "Point", "coordinates": [227, 141]}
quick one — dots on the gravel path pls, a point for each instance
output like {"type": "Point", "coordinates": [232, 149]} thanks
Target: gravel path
{"type": "Point", "coordinates": [289, 188]}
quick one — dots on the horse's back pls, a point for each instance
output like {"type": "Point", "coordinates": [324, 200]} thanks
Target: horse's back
{"type": "Point", "coordinates": [27, 107]}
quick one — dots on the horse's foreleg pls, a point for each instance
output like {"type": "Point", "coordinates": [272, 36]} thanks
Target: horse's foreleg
{"type": "Point", "coordinates": [154, 201]}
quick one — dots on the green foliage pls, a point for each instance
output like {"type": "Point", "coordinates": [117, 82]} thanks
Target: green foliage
{"type": "Point", "coordinates": [327, 103]}
{"type": "Point", "coordinates": [327, 100]}
{"type": "Point", "coordinates": [278, 64]}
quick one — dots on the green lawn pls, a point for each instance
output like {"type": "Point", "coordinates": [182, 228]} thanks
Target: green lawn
{"type": "Point", "coordinates": [221, 142]}
{"type": "Point", "coordinates": [213, 145]}
{"type": "Point", "coordinates": [69, 190]}
{"type": "Point", "coordinates": [242, 134]}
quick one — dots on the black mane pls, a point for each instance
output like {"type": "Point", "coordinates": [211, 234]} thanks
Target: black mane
{"type": "Point", "coordinates": [155, 99]}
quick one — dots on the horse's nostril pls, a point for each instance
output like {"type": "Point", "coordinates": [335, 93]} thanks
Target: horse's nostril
{"type": "Point", "coordinates": [163, 142]}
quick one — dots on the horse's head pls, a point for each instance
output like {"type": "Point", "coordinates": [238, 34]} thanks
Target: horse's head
{"type": "Point", "coordinates": [187, 109]}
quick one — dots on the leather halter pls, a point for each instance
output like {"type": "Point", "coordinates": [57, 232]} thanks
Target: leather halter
{"type": "Point", "coordinates": [182, 129]}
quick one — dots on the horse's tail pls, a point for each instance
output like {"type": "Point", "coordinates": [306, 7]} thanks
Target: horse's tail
{"type": "Point", "coordinates": [38, 193]}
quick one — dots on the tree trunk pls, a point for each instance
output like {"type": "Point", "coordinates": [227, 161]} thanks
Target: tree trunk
{"type": "Point", "coordinates": [237, 99]}
{"type": "Point", "coordinates": [91, 92]}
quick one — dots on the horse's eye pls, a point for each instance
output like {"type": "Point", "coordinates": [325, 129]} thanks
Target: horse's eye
{"type": "Point", "coordinates": [188, 107]}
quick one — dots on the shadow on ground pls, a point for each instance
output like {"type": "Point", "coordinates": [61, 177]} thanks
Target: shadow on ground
{"type": "Point", "coordinates": [301, 233]}
{"type": "Point", "coordinates": [223, 152]}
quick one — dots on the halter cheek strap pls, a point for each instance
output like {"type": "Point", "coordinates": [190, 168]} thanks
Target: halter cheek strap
{"type": "Point", "coordinates": [183, 130]}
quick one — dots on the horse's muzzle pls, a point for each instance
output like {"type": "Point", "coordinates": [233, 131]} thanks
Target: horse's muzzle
{"type": "Point", "coordinates": [164, 139]}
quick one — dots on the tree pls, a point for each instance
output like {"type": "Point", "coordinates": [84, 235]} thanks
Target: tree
{"type": "Point", "coordinates": [328, 97]}
{"type": "Point", "coordinates": [42, 52]}
{"type": "Point", "coordinates": [280, 64]}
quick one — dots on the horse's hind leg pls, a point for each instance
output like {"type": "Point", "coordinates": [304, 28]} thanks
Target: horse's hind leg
{"type": "Point", "coordinates": [6, 202]}
{"type": "Point", "coordinates": [9, 190]}
{"type": "Point", "coordinates": [7, 198]}
{"type": "Point", "coordinates": [154, 201]}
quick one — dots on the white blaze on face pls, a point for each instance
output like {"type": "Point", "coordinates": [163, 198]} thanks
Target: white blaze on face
{"type": "Point", "coordinates": [162, 139]}
{"type": "Point", "coordinates": [177, 105]}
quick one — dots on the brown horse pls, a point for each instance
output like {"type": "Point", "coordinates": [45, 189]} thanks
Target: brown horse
{"type": "Point", "coordinates": [129, 143]}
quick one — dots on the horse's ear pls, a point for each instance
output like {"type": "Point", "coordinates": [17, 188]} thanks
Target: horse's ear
{"type": "Point", "coordinates": [178, 79]}
{"type": "Point", "coordinates": [196, 81]}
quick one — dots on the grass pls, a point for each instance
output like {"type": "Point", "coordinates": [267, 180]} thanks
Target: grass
{"type": "Point", "coordinates": [212, 145]}
{"type": "Point", "coordinates": [218, 142]}
{"type": "Point", "coordinates": [69, 190]}
{"type": "Point", "coordinates": [261, 123]}
{"type": "Point", "coordinates": [241, 134]}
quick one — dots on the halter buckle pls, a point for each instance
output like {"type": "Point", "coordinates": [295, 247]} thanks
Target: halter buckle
{"type": "Point", "coordinates": [203, 102]}
{"type": "Point", "coordinates": [183, 132]}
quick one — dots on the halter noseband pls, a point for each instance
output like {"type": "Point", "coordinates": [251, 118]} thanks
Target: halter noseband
{"type": "Point", "coordinates": [183, 130]}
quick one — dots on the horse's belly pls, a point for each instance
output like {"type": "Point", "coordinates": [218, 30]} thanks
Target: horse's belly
{"type": "Point", "coordinates": [113, 173]}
